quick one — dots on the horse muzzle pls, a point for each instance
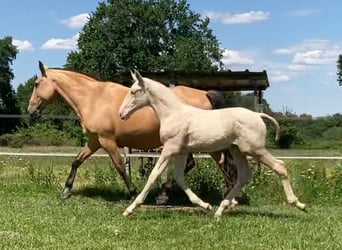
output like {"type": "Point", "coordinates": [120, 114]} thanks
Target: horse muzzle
{"type": "Point", "coordinates": [33, 112]}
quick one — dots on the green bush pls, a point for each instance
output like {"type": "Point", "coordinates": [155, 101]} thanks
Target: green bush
{"type": "Point", "coordinates": [40, 134]}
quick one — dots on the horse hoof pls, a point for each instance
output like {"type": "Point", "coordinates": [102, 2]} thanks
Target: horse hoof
{"type": "Point", "coordinates": [65, 195]}
{"type": "Point", "coordinates": [234, 203]}
{"type": "Point", "coordinates": [162, 200]}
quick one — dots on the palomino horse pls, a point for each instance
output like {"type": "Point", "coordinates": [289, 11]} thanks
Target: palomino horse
{"type": "Point", "coordinates": [185, 129]}
{"type": "Point", "coordinates": [93, 103]}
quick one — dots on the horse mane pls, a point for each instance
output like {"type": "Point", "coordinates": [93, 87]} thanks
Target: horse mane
{"type": "Point", "coordinates": [88, 75]}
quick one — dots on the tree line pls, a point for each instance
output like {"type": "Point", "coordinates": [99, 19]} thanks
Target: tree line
{"type": "Point", "coordinates": [147, 35]}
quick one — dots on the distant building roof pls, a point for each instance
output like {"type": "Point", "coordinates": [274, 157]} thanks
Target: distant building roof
{"type": "Point", "coordinates": [222, 80]}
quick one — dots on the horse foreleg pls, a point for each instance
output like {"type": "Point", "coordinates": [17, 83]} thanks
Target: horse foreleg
{"type": "Point", "coordinates": [114, 152]}
{"type": "Point", "coordinates": [156, 172]}
{"type": "Point", "coordinates": [179, 177]}
{"type": "Point", "coordinates": [86, 151]}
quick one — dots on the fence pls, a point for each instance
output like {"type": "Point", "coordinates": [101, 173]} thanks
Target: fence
{"type": "Point", "coordinates": [156, 155]}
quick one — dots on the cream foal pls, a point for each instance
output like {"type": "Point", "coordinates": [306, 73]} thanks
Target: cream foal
{"type": "Point", "coordinates": [186, 129]}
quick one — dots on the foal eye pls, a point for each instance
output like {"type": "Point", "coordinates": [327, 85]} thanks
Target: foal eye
{"type": "Point", "coordinates": [133, 92]}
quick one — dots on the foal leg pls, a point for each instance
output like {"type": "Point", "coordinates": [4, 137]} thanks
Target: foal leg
{"type": "Point", "coordinates": [163, 197]}
{"type": "Point", "coordinates": [86, 151]}
{"type": "Point", "coordinates": [156, 172]}
{"type": "Point", "coordinates": [180, 162]}
{"type": "Point", "coordinates": [109, 145]}
{"type": "Point", "coordinates": [278, 167]}
{"type": "Point", "coordinates": [221, 159]}
{"type": "Point", "coordinates": [243, 175]}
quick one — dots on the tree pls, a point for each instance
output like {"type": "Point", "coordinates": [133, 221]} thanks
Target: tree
{"type": "Point", "coordinates": [339, 70]}
{"type": "Point", "coordinates": [147, 35]}
{"type": "Point", "coordinates": [8, 102]}
{"type": "Point", "coordinates": [24, 92]}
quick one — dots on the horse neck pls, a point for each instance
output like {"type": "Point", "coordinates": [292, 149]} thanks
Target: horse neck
{"type": "Point", "coordinates": [163, 101]}
{"type": "Point", "coordinates": [75, 90]}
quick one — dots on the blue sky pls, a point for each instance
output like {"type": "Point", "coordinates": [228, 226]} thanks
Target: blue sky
{"type": "Point", "coordinates": [297, 42]}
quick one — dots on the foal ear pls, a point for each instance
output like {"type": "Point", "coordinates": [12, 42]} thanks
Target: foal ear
{"type": "Point", "coordinates": [139, 78]}
{"type": "Point", "coordinates": [42, 69]}
{"type": "Point", "coordinates": [133, 76]}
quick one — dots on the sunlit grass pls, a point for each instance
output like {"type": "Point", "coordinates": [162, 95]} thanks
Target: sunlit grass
{"type": "Point", "coordinates": [34, 217]}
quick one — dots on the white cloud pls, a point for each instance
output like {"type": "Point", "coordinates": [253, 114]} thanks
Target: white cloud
{"type": "Point", "coordinates": [331, 74]}
{"type": "Point", "coordinates": [279, 77]}
{"type": "Point", "coordinates": [277, 72]}
{"type": "Point", "coordinates": [296, 67]}
{"type": "Point", "coordinates": [303, 12]}
{"type": "Point", "coordinates": [283, 51]}
{"type": "Point", "coordinates": [63, 44]}
{"type": "Point", "coordinates": [76, 22]}
{"type": "Point", "coordinates": [313, 52]}
{"type": "Point", "coordinates": [233, 58]}
{"type": "Point", "coordinates": [314, 57]}
{"type": "Point", "coordinates": [228, 18]}
{"type": "Point", "coordinates": [22, 45]}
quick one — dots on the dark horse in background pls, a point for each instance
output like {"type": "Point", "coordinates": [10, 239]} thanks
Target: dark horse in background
{"type": "Point", "coordinates": [96, 104]}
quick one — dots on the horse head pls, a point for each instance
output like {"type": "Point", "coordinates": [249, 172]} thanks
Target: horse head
{"type": "Point", "coordinates": [136, 98]}
{"type": "Point", "coordinates": [43, 93]}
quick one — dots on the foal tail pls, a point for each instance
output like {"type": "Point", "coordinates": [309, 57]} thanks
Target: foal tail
{"type": "Point", "coordinates": [266, 116]}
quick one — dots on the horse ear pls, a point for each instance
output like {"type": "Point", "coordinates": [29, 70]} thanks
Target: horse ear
{"type": "Point", "coordinates": [42, 69]}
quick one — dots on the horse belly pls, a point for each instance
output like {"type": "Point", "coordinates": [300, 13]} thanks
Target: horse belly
{"type": "Point", "coordinates": [140, 141]}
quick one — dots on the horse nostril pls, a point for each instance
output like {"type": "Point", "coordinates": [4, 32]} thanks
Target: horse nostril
{"type": "Point", "coordinates": [35, 115]}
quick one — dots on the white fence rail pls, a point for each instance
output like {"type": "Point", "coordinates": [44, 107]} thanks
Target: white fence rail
{"type": "Point", "coordinates": [156, 155]}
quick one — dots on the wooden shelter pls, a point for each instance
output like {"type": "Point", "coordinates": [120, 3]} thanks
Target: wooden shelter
{"type": "Point", "coordinates": [220, 81]}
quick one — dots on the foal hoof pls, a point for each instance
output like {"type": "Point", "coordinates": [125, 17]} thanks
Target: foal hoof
{"type": "Point", "coordinates": [127, 213]}
{"type": "Point", "coordinates": [300, 205]}
{"type": "Point", "coordinates": [208, 207]}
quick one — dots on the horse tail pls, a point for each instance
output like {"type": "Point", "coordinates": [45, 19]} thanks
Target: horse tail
{"type": "Point", "coordinates": [216, 99]}
{"type": "Point", "coordinates": [266, 116]}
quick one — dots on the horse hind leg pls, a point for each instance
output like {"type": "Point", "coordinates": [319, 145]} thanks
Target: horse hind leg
{"type": "Point", "coordinates": [243, 175]}
{"type": "Point", "coordinates": [180, 162]}
{"type": "Point", "coordinates": [86, 151]}
{"type": "Point", "coordinates": [114, 152]}
{"type": "Point", "coordinates": [279, 168]}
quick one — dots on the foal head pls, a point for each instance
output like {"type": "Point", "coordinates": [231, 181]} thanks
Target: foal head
{"type": "Point", "coordinates": [43, 93]}
{"type": "Point", "coordinates": [136, 98]}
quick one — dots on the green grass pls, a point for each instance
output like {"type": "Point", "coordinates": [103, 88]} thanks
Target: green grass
{"type": "Point", "coordinates": [33, 217]}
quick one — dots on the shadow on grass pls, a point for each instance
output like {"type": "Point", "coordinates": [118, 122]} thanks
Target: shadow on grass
{"type": "Point", "coordinates": [247, 211]}
{"type": "Point", "coordinates": [105, 193]}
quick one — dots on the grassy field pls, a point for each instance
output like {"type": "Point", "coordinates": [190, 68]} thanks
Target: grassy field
{"type": "Point", "coordinates": [33, 216]}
